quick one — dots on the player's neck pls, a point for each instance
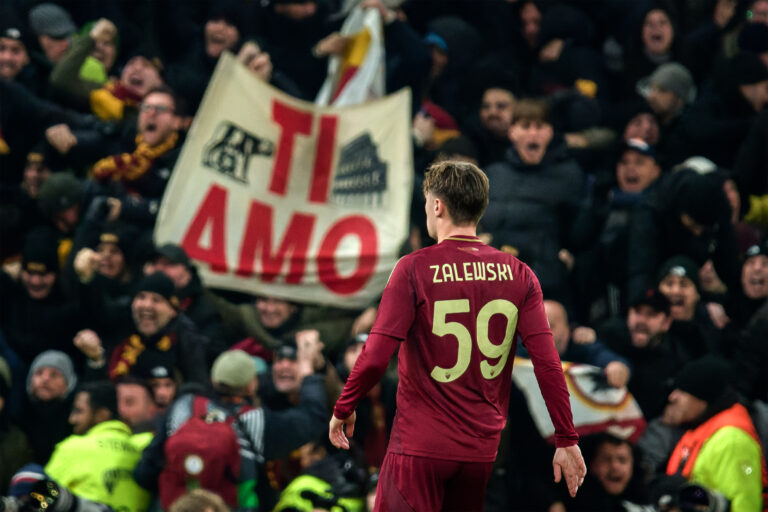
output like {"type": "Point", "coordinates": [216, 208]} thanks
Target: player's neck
{"type": "Point", "coordinates": [450, 229]}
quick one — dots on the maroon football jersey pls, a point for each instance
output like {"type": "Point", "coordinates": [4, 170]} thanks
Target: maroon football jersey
{"type": "Point", "coordinates": [459, 306]}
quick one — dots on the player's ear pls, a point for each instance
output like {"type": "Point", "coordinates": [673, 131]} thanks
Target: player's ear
{"type": "Point", "coordinates": [439, 207]}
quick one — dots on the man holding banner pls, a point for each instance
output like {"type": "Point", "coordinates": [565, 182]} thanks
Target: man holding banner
{"type": "Point", "coordinates": [458, 307]}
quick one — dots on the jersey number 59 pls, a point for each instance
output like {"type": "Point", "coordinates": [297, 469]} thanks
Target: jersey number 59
{"type": "Point", "coordinates": [441, 327]}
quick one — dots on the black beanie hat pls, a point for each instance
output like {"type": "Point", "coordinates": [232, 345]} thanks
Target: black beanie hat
{"type": "Point", "coordinates": [703, 199]}
{"type": "Point", "coordinates": [681, 266]}
{"type": "Point", "coordinates": [756, 250]}
{"type": "Point", "coordinates": [40, 253]}
{"type": "Point", "coordinates": [754, 38]}
{"type": "Point", "coordinates": [120, 234]}
{"type": "Point", "coordinates": [160, 284]}
{"type": "Point", "coordinates": [704, 378]}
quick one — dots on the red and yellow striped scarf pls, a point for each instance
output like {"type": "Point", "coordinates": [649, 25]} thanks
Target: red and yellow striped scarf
{"type": "Point", "coordinates": [129, 167]}
{"type": "Point", "coordinates": [125, 355]}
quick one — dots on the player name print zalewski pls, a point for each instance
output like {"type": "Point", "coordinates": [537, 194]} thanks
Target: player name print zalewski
{"type": "Point", "coordinates": [471, 271]}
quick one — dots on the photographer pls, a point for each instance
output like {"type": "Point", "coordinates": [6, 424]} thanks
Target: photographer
{"type": "Point", "coordinates": [720, 451]}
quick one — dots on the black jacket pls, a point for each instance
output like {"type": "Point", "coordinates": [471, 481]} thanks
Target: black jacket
{"type": "Point", "coordinates": [532, 207]}
{"type": "Point", "coordinates": [32, 326]}
{"type": "Point", "coordinates": [653, 367]}
{"type": "Point", "coordinates": [656, 234]}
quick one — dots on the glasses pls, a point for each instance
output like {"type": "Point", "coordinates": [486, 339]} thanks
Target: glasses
{"type": "Point", "coordinates": [160, 109]}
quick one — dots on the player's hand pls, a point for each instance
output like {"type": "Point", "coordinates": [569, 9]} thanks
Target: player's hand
{"type": "Point", "coordinates": [569, 462]}
{"type": "Point", "coordinates": [336, 431]}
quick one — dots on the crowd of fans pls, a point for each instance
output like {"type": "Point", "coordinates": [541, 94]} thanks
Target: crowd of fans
{"type": "Point", "coordinates": [626, 143]}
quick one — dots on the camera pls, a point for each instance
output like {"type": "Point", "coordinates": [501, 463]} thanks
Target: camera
{"type": "Point", "coordinates": [695, 498]}
{"type": "Point", "coordinates": [691, 497]}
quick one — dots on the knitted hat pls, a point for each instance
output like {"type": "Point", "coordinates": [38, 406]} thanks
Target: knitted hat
{"type": "Point", "coordinates": [704, 378]}
{"type": "Point", "coordinates": [754, 38]}
{"type": "Point", "coordinates": [746, 68]}
{"type": "Point", "coordinates": [160, 284]}
{"type": "Point", "coordinates": [51, 20]}
{"type": "Point", "coordinates": [119, 234]}
{"type": "Point", "coordinates": [25, 480]}
{"type": "Point", "coordinates": [59, 192]}
{"type": "Point", "coordinates": [756, 250]}
{"type": "Point", "coordinates": [233, 368]}
{"type": "Point", "coordinates": [673, 77]}
{"type": "Point", "coordinates": [15, 32]}
{"type": "Point", "coordinates": [681, 266]}
{"type": "Point", "coordinates": [230, 13]}
{"type": "Point", "coordinates": [54, 359]}
{"type": "Point", "coordinates": [40, 253]}
{"type": "Point", "coordinates": [701, 196]}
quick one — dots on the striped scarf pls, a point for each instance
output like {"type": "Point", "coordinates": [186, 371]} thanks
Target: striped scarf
{"type": "Point", "coordinates": [127, 167]}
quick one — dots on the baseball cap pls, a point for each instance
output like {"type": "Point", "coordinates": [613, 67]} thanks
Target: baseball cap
{"type": "Point", "coordinates": [174, 253]}
{"type": "Point", "coordinates": [653, 298]}
{"type": "Point", "coordinates": [640, 146]}
{"type": "Point", "coordinates": [357, 338]}
{"type": "Point", "coordinates": [233, 368]}
{"type": "Point", "coordinates": [286, 351]}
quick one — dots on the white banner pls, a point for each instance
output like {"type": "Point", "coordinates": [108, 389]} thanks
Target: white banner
{"type": "Point", "coordinates": [358, 74]}
{"type": "Point", "coordinates": [276, 196]}
{"type": "Point", "coordinates": [596, 406]}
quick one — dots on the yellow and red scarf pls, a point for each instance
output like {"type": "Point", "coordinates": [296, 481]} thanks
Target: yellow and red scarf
{"type": "Point", "coordinates": [125, 355]}
{"type": "Point", "coordinates": [129, 167]}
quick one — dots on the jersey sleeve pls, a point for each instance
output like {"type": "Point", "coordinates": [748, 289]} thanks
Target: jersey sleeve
{"type": "Point", "coordinates": [534, 329]}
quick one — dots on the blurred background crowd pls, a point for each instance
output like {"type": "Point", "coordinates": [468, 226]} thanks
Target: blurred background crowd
{"type": "Point", "coordinates": [626, 143]}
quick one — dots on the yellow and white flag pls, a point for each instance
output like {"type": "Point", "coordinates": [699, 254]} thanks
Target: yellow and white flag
{"type": "Point", "coordinates": [358, 74]}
